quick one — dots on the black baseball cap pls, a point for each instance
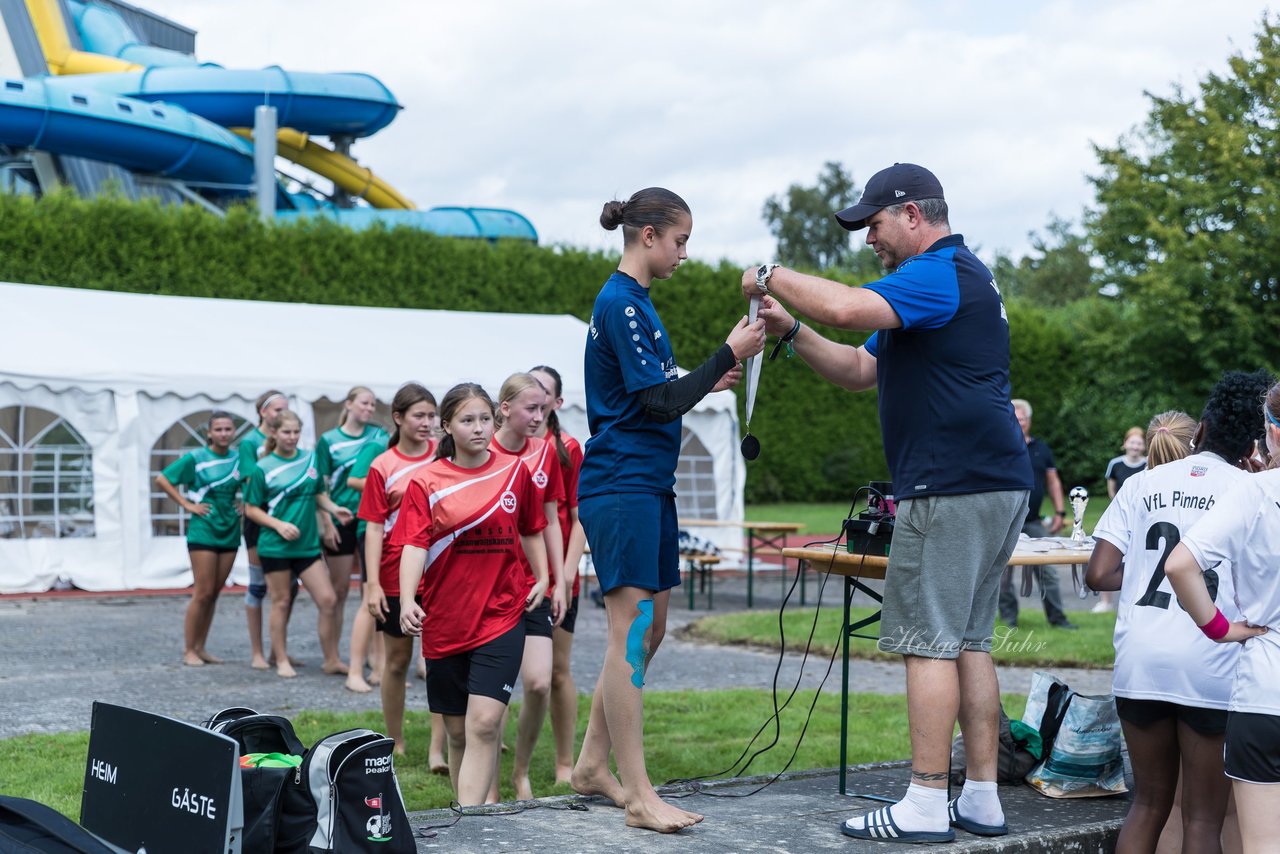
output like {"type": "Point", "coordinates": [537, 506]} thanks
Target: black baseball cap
{"type": "Point", "coordinates": [901, 182]}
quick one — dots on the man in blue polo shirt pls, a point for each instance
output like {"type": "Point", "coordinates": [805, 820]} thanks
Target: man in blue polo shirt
{"type": "Point", "coordinates": [939, 359]}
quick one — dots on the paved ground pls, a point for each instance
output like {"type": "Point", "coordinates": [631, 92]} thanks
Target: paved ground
{"type": "Point", "coordinates": [62, 653]}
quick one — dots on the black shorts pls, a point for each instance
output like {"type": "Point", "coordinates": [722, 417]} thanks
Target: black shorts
{"type": "Point", "coordinates": [537, 623]}
{"type": "Point", "coordinates": [296, 565]}
{"type": "Point", "coordinates": [1253, 747]}
{"type": "Point", "coordinates": [218, 550]}
{"type": "Point", "coordinates": [346, 541]}
{"type": "Point", "coordinates": [364, 576]}
{"type": "Point", "coordinates": [570, 616]}
{"type": "Point", "coordinates": [488, 670]}
{"type": "Point", "coordinates": [391, 628]}
{"type": "Point", "coordinates": [1147, 712]}
{"type": "Point", "coordinates": [251, 530]}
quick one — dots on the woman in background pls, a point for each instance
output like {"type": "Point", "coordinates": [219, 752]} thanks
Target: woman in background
{"type": "Point", "coordinates": [268, 406]}
{"type": "Point", "coordinates": [212, 478]}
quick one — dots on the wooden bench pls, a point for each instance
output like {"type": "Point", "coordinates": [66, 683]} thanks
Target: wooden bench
{"type": "Point", "coordinates": [701, 564]}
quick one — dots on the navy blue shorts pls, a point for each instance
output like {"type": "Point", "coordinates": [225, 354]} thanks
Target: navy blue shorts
{"type": "Point", "coordinates": [633, 538]}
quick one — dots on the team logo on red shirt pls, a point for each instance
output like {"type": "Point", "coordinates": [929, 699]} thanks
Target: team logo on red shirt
{"type": "Point", "coordinates": [540, 479]}
{"type": "Point", "coordinates": [509, 501]}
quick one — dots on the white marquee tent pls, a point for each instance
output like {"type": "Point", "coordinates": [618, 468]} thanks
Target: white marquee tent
{"type": "Point", "coordinates": [99, 390]}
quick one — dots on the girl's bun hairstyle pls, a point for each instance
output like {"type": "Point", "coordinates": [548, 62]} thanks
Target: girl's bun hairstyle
{"type": "Point", "coordinates": [653, 206]}
{"type": "Point", "coordinates": [611, 216]}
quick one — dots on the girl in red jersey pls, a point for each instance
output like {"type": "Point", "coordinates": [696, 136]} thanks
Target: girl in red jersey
{"type": "Point", "coordinates": [522, 403]}
{"type": "Point", "coordinates": [469, 519]}
{"type": "Point", "coordinates": [413, 409]}
{"type": "Point", "coordinates": [564, 693]}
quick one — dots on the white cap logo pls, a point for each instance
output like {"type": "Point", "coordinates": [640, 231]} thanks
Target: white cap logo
{"type": "Point", "coordinates": [509, 501]}
{"type": "Point", "coordinates": [897, 194]}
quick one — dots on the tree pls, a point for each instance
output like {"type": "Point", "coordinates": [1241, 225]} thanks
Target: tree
{"type": "Point", "coordinates": [1057, 273]}
{"type": "Point", "coordinates": [1188, 223]}
{"type": "Point", "coordinates": [808, 235]}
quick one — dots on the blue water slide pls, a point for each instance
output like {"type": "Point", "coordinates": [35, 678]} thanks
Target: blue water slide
{"type": "Point", "coordinates": [327, 104]}
{"type": "Point", "coordinates": [320, 104]}
{"type": "Point", "coordinates": [82, 121]}
{"type": "Point", "coordinates": [487, 223]}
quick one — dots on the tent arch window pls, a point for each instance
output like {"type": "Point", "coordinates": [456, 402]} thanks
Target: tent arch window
{"type": "Point", "coordinates": [46, 476]}
{"type": "Point", "coordinates": [695, 479]}
{"type": "Point", "coordinates": [187, 433]}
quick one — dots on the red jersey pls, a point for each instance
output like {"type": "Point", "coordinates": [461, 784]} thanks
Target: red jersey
{"type": "Point", "coordinates": [470, 522]}
{"type": "Point", "coordinates": [384, 487]}
{"type": "Point", "coordinates": [540, 458]}
{"type": "Point", "coordinates": [569, 475]}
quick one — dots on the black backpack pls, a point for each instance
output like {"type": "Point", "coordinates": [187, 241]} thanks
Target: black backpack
{"type": "Point", "coordinates": [29, 826]}
{"type": "Point", "coordinates": [345, 797]}
{"type": "Point", "coordinates": [262, 787]}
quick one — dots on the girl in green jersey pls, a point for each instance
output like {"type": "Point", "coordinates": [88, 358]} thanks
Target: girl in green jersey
{"type": "Point", "coordinates": [212, 477]}
{"type": "Point", "coordinates": [336, 454]}
{"type": "Point", "coordinates": [286, 496]}
{"type": "Point", "coordinates": [269, 405]}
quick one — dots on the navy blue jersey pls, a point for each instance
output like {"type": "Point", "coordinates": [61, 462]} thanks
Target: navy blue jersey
{"type": "Point", "coordinates": [1041, 463]}
{"type": "Point", "coordinates": [627, 352]}
{"type": "Point", "coordinates": [943, 378]}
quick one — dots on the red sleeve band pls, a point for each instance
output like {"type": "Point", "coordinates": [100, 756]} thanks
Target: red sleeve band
{"type": "Point", "coordinates": [1217, 627]}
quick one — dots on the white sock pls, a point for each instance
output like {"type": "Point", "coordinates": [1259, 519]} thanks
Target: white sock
{"type": "Point", "coordinates": [922, 808]}
{"type": "Point", "coordinates": [979, 802]}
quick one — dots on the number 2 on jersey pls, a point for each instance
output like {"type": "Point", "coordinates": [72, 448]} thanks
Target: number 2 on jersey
{"type": "Point", "coordinates": [1154, 596]}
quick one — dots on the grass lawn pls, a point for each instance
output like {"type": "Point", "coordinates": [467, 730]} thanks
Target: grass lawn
{"type": "Point", "coordinates": [825, 518]}
{"type": "Point", "coordinates": [687, 734]}
{"type": "Point", "coordinates": [1033, 643]}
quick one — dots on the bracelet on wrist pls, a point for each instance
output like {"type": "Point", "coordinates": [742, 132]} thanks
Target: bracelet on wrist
{"type": "Point", "coordinates": [1217, 627]}
{"type": "Point", "coordinates": [786, 340]}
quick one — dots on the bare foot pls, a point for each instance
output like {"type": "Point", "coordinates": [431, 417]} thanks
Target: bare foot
{"type": "Point", "coordinates": [191, 659]}
{"type": "Point", "coordinates": [375, 677]}
{"type": "Point", "coordinates": [355, 683]}
{"type": "Point", "coordinates": [296, 662]}
{"type": "Point", "coordinates": [209, 658]}
{"type": "Point", "coordinates": [284, 671]}
{"type": "Point", "coordinates": [400, 749]}
{"type": "Point", "coordinates": [438, 766]}
{"type": "Point", "coordinates": [601, 783]}
{"type": "Point", "coordinates": [657, 814]}
{"type": "Point", "coordinates": [259, 663]}
{"type": "Point", "coordinates": [564, 774]}
{"type": "Point", "coordinates": [334, 668]}
{"type": "Point", "coordinates": [524, 792]}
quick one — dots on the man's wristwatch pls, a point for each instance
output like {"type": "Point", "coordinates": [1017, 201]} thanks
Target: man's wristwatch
{"type": "Point", "coordinates": [762, 276]}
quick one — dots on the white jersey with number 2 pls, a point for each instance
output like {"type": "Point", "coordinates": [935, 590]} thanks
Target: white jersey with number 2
{"type": "Point", "coordinates": [1244, 527]}
{"type": "Point", "coordinates": [1161, 654]}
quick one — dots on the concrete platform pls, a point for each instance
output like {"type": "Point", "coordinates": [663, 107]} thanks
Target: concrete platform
{"type": "Point", "coordinates": [801, 812]}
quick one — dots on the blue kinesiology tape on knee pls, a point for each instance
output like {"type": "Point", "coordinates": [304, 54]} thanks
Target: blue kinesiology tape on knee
{"type": "Point", "coordinates": [257, 589]}
{"type": "Point", "coordinates": [636, 652]}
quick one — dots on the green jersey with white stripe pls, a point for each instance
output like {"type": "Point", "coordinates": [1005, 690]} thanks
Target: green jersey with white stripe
{"type": "Point", "coordinates": [360, 468]}
{"type": "Point", "coordinates": [287, 489]}
{"type": "Point", "coordinates": [251, 444]}
{"type": "Point", "coordinates": [336, 454]}
{"type": "Point", "coordinates": [212, 479]}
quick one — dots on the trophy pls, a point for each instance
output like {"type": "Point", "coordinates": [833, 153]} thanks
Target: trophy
{"type": "Point", "coordinates": [1079, 499]}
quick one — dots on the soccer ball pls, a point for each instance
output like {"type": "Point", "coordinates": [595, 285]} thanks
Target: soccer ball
{"type": "Point", "coordinates": [1079, 492]}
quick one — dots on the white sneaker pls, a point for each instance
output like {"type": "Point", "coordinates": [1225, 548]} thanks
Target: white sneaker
{"type": "Point", "coordinates": [1100, 608]}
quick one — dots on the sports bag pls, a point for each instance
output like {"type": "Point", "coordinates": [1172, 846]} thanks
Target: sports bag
{"type": "Point", "coordinates": [262, 786]}
{"type": "Point", "coordinates": [345, 797]}
{"type": "Point", "coordinates": [1082, 741]}
{"type": "Point", "coordinates": [30, 827]}
{"type": "Point", "coordinates": [1013, 763]}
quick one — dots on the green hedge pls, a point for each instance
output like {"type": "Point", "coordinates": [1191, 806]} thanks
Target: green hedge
{"type": "Point", "coordinates": [819, 442]}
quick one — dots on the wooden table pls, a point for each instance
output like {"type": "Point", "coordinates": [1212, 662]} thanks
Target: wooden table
{"type": "Point", "coordinates": [772, 535]}
{"type": "Point", "coordinates": [856, 568]}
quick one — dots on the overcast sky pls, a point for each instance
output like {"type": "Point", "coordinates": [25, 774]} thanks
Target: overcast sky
{"type": "Point", "coordinates": [552, 108]}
